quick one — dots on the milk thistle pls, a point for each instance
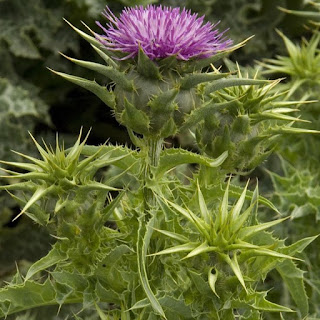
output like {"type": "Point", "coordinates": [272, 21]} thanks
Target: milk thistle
{"type": "Point", "coordinates": [161, 32]}
{"type": "Point", "coordinates": [176, 250]}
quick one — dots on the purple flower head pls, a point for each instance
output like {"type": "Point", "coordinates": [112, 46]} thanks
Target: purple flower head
{"type": "Point", "coordinates": [161, 32]}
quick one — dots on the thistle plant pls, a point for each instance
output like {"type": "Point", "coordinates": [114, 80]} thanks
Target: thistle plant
{"type": "Point", "coordinates": [301, 65]}
{"type": "Point", "coordinates": [145, 243]}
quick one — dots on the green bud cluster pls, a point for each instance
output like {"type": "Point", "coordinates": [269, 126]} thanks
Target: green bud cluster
{"type": "Point", "coordinates": [301, 64]}
{"type": "Point", "coordinates": [224, 239]}
{"type": "Point", "coordinates": [246, 121]}
{"type": "Point", "coordinates": [62, 175]}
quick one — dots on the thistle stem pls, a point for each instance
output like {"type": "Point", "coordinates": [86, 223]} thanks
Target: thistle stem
{"type": "Point", "coordinates": [154, 147]}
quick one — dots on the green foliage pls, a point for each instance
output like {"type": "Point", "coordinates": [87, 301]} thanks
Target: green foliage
{"type": "Point", "coordinates": [158, 233]}
{"type": "Point", "coordinates": [301, 65]}
{"type": "Point", "coordinates": [244, 120]}
{"type": "Point", "coordinates": [95, 265]}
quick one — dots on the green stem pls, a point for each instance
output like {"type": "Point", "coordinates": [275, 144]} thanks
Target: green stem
{"type": "Point", "coordinates": [154, 146]}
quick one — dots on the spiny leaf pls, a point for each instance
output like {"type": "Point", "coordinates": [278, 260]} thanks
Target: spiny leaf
{"type": "Point", "coordinates": [223, 209]}
{"type": "Point", "coordinates": [202, 248]}
{"type": "Point", "coordinates": [180, 248]}
{"type": "Point", "coordinates": [202, 205]}
{"type": "Point", "coordinates": [293, 278]}
{"type": "Point", "coordinates": [105, 57]}
{"type": "Point", "coordinates": [94, 185]}
{"type": "Point", "coordinates": [202, 63]}
{"type": "Point", "coordinates": [23, 186]}
{"type": "Point", "coordinates": [233, 263]}
{"type": "Point", "coordinates": [126, 156]}
{"type": "Point", "coordinates": [101, 92]}
{"type": "Point", "coordinates": [114, 74]}
{"type": "Point", "coordinates": [52, 258]}
{"type": "Point", "coordinates": [247, 232]}
{"type": "Point", "coordinates": [212, 279]}
{"type": "Point", "coordinates": [147, 67]}
{"type": "Point", "coordinates": [289, 130]}
{"type": "Point", "coordinates": [109, 209]}
{"type": "Point", "coordinates": [232, 82]}
{"type": "Point", "coordinates": [235, 212]}
{"type": "Point", "coordinates": [27, 296]}
{"type": "Point", "coordinates": [164, 101]}
{"type": "Point", "coordinates": [236, 191]}
{"type": "Point", "coordinates": [191, 81]}
{"type": "Point", "coordinates": [244, 217]}
{"type": "Point", "coordinates": [134, 118]}
{"type": "Point", "coordinates": [257, 301]}
{"type": "Point", "coordinates": [312, 15]}
{"type": "Point", "coordinates": [206, 110]}
{"type": "Point", "coordinates": [39, 193]}
{"type": "Point", "coordinates": [142, 247]}
{"type": "Point", "coordinates": [298, 246]}
{"type": "Point", "coordinates": [84, 35]}
{"type": "Point", "coordinates": [171, 158]}
{"type": "Point", "coordinates": [274, 116]}
{"type": "Point", "coordinates": [198, 223]}
{"type": "Point", "coordinates": [173, 235]}
{"type": "Point", "coordinates": [21, 165]}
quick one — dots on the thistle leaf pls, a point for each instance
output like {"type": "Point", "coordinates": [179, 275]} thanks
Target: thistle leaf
{"type": "Point", "coordinates": [136, 119]}
{"type": "Point", "coordinates": [84, 35]}
{"type": "Point", "coordinates": [163, 102]}
{"type": "Point", "coordinates": [235, 212]}
{"type": "Point", "coordinates": [232, 82]}
{"type": "Point", "coordinates": [274, 116]}
{"type": "Point", "coordinates": [101, 92]}
{"type": "Point", "coordinates": [170, 158]}
{"type": "Point", "coordinates": [186, 247]}
{"type": "Point", "coordinates": [223, 210]}
{"type": "Point", "coordinates": [191, 81]}
{"type": "Point", "coordinates": [94, 185]}
{"type": "Point", "coordinates": [21, 165]}
{"type": "Point", "coordinates": [257, 301]}
{"type": "Point", "coordinates": [39, 193]}
{"type": "Point", "coordinates": [198, 223]}
{"type": "Point", "coordinates": [240, 221]}
{"type": "Point", "coordinates": [142, 247]}
{"type": "Point", "coordinates": [52, 258]}
{"type": "Point", "coordinates": [205, 111]}
{"type": "Point", "coordinates": [312, 15]}
{"type": "Point", "coordinates": [298, 246]}
{"type": "Point", "coordinates": [247, 232]}
{"type": "Point", "coordinates": [105, 57]}
{"type": "Point", "coordinates": [212, 279]}
{"type": "Point", "coordinates": [236, 191]}
{"type": "Point", "coordinates": [202, 248]}
{"type": "Point", "coordinates": [26, 296]}
{"type": "Point", "coordinates": [203, 207]}
{"type": "Point", "coordinates": [173, 235]}
{"type": "Point", "coordinates": [109, 209]}
{"type": "Point", "coordinates": [289, 130]}
{"type": "Point", "coordinates": [202, 63]}
{"type": "Point", "coordinates": [147, 67]}
{"type": "Point", "coordinates": [233, 263]}
{"type": "Point", "coordinates": [23, 186]}
{"type": "Point", "coordinates": [293, 278]}
{"type": "Point", "coordinates": [110, 72]}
